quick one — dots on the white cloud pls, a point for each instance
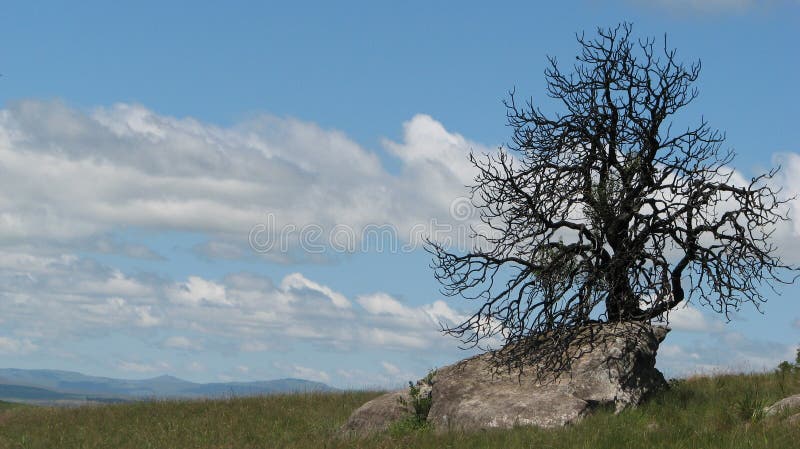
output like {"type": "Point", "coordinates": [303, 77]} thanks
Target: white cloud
{"type": "Point", "coordinates": [15, 346]}
{"type": "Point", "coordinates": [428, 146]}
{"type": "Point", "coordinates": [145, 317]}
{"type": "Point", "coordinates": [676, 351]}
{"type": "Point", "coordinates": [181, 342]}
{"type": "Point", "coordinates": [721, 352]}
{"type": "Point", "coordinates": [59, 298]}
{"type": "Point", "coordinates": [440, 312]}
{"type": "Point", "coordinates": [297, 281]}
{"type": "Point", "coordinates": [143, 368]}
{"type": "Point", "coordinates": [116, 284]}
{"type": "Point", "coordinates": [303, 372]}
{"type": "Point", "coordinates": [390, 368]}
{"type": "Point", "coordinates": [381, 303]}
{"type": "Point", "coordinates": [198, 290]}
{"type": "Point", "coordinates": [391, 339]}
{"type": "Point", "coordinates": [789, 179]}
{"type": "Point", "coordinates": [128, 166]}
{"type": "Point", "coordinates": [686, 317]}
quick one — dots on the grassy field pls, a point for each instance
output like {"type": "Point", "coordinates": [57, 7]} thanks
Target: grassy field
{"type": "Point", "coordinates": [9, 405]}
{"type": "Point", "coordinates": [702, 412]}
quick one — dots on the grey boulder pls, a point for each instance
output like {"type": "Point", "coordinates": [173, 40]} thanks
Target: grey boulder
{"type": "Point", "coordinates": [616, 368]}
{"type": "Point", "coordinates": [785, 404]}
{"type": "Point", "coordinates": [377, 415]}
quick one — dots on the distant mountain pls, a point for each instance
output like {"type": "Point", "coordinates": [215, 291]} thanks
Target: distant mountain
{"type": "Point", "coordinates": [53, 385]}
{"type": "Point", "coordinates": [32, 393]}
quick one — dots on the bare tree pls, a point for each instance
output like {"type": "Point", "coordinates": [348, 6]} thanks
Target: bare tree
{"type": "Point", "coordinates": [604, 213]}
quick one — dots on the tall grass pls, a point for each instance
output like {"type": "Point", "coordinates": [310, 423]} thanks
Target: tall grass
{"type": "Point", "coordinates": [7, 405]}
{"type": "Point", "coordinates": [703, 412]}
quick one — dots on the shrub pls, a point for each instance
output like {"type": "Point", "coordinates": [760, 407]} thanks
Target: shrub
{"type": "Point", "coordinates": [750, 407]}
{"type": "Point", "coordinates": [786, 367]}
{"type": "Point", "coordinates": [420, 403]}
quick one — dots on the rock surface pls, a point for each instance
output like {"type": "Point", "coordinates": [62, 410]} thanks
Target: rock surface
{"type": "Point", "coordinates": [618, 369]}
{"type": "Point", "coordinates": [378, 414]}
{"type": "Point", "coordinates": [788, 403]}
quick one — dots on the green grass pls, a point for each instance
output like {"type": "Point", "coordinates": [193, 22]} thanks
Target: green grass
{"type": "Point", "coordinates": [9, 405]}
{"type": "Point", "coordinates": [702, 412]}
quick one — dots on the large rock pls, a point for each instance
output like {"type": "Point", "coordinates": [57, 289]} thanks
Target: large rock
{"type": "Point", "coordinates": [615, 368]}
{"type": "Point", "coordinates": [378, 414]}
{"type": "Point", "coordinates": [785, 404]}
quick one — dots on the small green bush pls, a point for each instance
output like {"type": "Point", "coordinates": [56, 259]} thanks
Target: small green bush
{"type": "Point", "coordinates": [785, 367]}
{"type": "Point", "coordinates": [750, 407]}
{"type": "Point", "coordinates": [420, 403]}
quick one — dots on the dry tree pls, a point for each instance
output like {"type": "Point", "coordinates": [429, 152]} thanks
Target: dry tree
{"type": "Point", "coordinates": [605, 212]}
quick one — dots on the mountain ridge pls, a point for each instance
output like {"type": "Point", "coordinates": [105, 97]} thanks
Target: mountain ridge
{"type": "Point", "coordinates": [33, 385]}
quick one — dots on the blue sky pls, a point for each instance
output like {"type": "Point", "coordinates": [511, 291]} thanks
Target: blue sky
{"type": "Point", "coordinates": [141, 143]}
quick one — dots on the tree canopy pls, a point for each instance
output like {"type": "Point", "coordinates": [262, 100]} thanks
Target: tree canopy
{"type": "Point", "coordinates": [609, 210]}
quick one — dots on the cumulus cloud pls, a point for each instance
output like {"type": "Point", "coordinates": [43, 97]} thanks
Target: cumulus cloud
{"type": "Point", "coordinates": [284, 183]}
{"type": "Point", "coordinates": [686, 317]}
{"type": "Point", "coordinates": [390, 368]}
{"type": "Point", "coordinates": [392, 315]}
{"type": "Point", "coordinates": [297, 282]}
{"type": "Point", "coordinates": [676, 351]}
{"type": "Point", "coordinates": [128, 166]}
{"type": "Point", "coordinates": [383, 304]}
{"type": "Point", "coordinates": [304, 372]}
{"type": "Point", "coordinates": [198, 290]}
{"type": "Point", "coordinates": [721, 352]}
{"type": "Point", "coordinates": [181, 342]}
{"type": "Point", "coordinates": [16, 346]}
{"type": "Point", "coordinates": [789, 179]}
{"type": "Point", "coordinates": [61, 298]}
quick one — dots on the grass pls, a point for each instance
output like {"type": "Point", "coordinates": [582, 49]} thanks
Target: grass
{"type": "Point", "coordinates": [9, 405]}
{"type": "Point", "coordinates": [702, 412]}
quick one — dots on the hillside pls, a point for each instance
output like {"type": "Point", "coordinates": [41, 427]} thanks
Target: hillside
{"type": "Point", "coordinates": [702, 412]}
{"type": "Point", "coordinates": [53, 385]}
